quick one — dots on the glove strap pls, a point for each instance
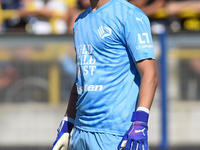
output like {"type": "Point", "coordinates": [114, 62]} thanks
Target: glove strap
{"type": "Point", "coordinates": [66, 125]}
{"type": "Point", "coordinates": [140, 116]}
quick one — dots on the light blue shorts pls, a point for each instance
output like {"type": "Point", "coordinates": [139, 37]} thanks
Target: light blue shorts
{"type": "Point", "coordinates": [84, 140]}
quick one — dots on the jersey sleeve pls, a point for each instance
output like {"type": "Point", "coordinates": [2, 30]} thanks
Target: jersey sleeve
{"type": "Point", "coordinates": [138, 37]}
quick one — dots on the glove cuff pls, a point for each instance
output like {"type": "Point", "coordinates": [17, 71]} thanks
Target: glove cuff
{"type": "Point", "coordinates": [140, 116]}
{"type": "Point", "coordinates": [66, 125]}
{"type": "Point", "coordinates": [69, 119]}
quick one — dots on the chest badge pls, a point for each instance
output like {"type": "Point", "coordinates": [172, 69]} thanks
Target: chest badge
{"type": "Point", "coordinates": [104, 32]}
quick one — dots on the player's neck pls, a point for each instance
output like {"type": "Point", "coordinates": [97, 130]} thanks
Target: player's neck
{"type": "Point", "coordinates": [96, 4]}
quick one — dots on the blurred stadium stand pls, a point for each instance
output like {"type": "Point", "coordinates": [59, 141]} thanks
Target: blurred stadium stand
{"type": "Point", "coordinates": [33, 68]}
{"type": "Point", "coordinates": [37, 71]}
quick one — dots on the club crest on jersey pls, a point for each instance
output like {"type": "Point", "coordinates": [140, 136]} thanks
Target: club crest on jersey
{"type": "Point", "coordinates": [104, 32]}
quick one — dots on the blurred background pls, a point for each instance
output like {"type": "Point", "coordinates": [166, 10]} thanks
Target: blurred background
{"type": "Point", "coordinates": [37, 69]}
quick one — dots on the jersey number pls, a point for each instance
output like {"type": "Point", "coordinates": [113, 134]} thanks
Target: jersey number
{"type": "Point", "coordinates": [140, 37]}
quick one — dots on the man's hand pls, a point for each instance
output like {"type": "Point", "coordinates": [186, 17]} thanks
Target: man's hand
{"type": "Point", "coordinates": [63, 138]}
{"type": "Point", "coordinates": [136, 137]}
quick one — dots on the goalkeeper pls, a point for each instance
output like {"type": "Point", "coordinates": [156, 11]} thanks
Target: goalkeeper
{"type": "Point", "coordinates": [116, 80]}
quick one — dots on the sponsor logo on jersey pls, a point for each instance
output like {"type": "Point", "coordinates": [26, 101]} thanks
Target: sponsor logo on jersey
{"type": "Point", "coordinates": [86, 62]}
{"type": "Point", "coordinates": [89, 88]}
{"type": "Point", "coordinates": [144, 46]}
{"type": "Point", "coordinates": [143, 38]}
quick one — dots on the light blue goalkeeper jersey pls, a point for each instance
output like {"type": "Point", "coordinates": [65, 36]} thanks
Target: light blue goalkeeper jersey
{"type": "Point", "coordinates": [108, 43]}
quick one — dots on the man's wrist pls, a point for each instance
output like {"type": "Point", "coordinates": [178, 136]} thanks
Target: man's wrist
{"type": "Point", "coordinates": [68, 119]}
{"type": "Point", "coordinates": [143, 109]}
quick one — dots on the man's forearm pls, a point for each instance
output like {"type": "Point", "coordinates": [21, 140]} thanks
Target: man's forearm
{"type": "Point", "coordinates": [71, 108]}
{"type": "Point", "coordinates": [149, 82]}
{"type": "Point", "coordinates": [147, 90]}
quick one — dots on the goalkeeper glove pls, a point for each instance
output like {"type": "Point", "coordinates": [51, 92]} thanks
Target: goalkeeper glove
{"type": "Point", "coordinates": [136, 137]}
{"type": "Point", "coordinates": [63, 138]}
